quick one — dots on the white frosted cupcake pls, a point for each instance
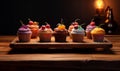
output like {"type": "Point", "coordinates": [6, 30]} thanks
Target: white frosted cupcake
{"type": "Point", "coordinates": [72, 26]}
{"type": "Point", "coordinates": [77, 33]}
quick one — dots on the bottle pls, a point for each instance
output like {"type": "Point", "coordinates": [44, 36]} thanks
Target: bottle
{"type": "Point", "coordinates": [110, 24]}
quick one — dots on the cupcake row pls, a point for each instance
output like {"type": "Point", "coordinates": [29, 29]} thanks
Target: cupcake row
{"type": "Point", "coordinates": [32, 30]}
{"type": "Point", "coordinates": [95, 32]}
{"type": "Point", "coordinates": [75, 31]}
{"type": "Point", "coordinates": [92, 32]}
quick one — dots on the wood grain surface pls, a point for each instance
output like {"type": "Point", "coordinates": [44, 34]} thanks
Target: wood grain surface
{"type": "Point", "coordinates": [59, 59]}
{"type": "Point", "coordinates": [69, 44]}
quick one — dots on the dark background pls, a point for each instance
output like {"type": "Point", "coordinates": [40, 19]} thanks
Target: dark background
{"type": "Point", "coordinates": [49, 10]}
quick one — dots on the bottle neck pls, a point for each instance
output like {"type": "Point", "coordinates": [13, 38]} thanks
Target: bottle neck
{"type": "Point", "coordinates": [110, 15]}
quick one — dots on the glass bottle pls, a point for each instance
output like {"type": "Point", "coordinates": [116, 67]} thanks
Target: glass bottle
{"type": "Point", "coordinates": [110, 24]}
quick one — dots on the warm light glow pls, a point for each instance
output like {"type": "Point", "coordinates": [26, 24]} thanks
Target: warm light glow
{"type": "Point", "coordinates": [99, 4]}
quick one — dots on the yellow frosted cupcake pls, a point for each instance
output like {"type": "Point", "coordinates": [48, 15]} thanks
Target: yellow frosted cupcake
{"type": "Point", "coordinates": [98, 34]}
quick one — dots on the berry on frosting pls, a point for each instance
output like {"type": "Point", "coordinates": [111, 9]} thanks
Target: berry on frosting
{"type": "Point", "coordinates": [47, 25]}
{"type": "Point", "coordinates": [92, 23]}
{"type": "Point", "coordinates": [76, 26]}
{"type": "Point", "coordinates": [30, 22]}
{"type": "Point", "coordinates": [43, 27]}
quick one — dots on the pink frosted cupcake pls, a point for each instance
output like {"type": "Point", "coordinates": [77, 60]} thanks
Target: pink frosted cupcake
{"type": "Point", "coordinates": [24, 34]}
{"type": "Point", "coordinates": [45, 33]}
{"type": "Point", "coordinates": [98, 34]}
{"type": "Point", "coordinates": [89, 28]}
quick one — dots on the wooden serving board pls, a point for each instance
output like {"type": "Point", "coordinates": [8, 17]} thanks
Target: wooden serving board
{"type": "Point", "coordinates": [35, 43]}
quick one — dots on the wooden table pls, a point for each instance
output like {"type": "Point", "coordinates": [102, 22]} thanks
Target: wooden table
{"type": "Point", "coordinates": [60, 59]}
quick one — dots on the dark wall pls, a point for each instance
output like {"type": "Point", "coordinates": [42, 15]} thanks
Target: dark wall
{"type": "Point", "coordinates": [48, 10]}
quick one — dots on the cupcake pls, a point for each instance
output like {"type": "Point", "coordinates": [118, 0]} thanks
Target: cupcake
{"type": "Point", "coordinates": [24, 34]}
{"type": "Point", "coordinates": [60, 33]}
{"type": "Point", "coordinates": [45, 33]}
{"type": "Point", "coordinates": [72, 26]}
{"type": "Point", "coordinates": [34, 28]}
{"type": "Point", "coordinates": [89, 28]}
{"type": "Point", "coordinates": [77, 33]}
{"type": "Point", "coordinates": [98, 34]}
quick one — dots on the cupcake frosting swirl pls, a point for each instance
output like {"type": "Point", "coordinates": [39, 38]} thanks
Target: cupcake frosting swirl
{"type": "Point", "coordinates": [80, 30]}
{"type": "Point", "coordinates": [90, 27]}
{"type": "Point", "coordinates": [44, 29]}
{"type": "Point", "coordinates": [98, 30]}
{"type": "Point", "coordinates": [24, 29]}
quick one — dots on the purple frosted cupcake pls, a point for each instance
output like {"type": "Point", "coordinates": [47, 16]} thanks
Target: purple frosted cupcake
{"type": "Point", "coordinates": [24, 34]}
{"type": "Point", "coordinates": [89, 28]}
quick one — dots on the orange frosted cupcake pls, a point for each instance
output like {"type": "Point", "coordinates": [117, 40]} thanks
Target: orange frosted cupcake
{"type": "Point", "coordinates": [98, 34]}
{"type": "Point", "coordinates": [34, 28]}
{"type": "Point", "coordinates": [60, 33]}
